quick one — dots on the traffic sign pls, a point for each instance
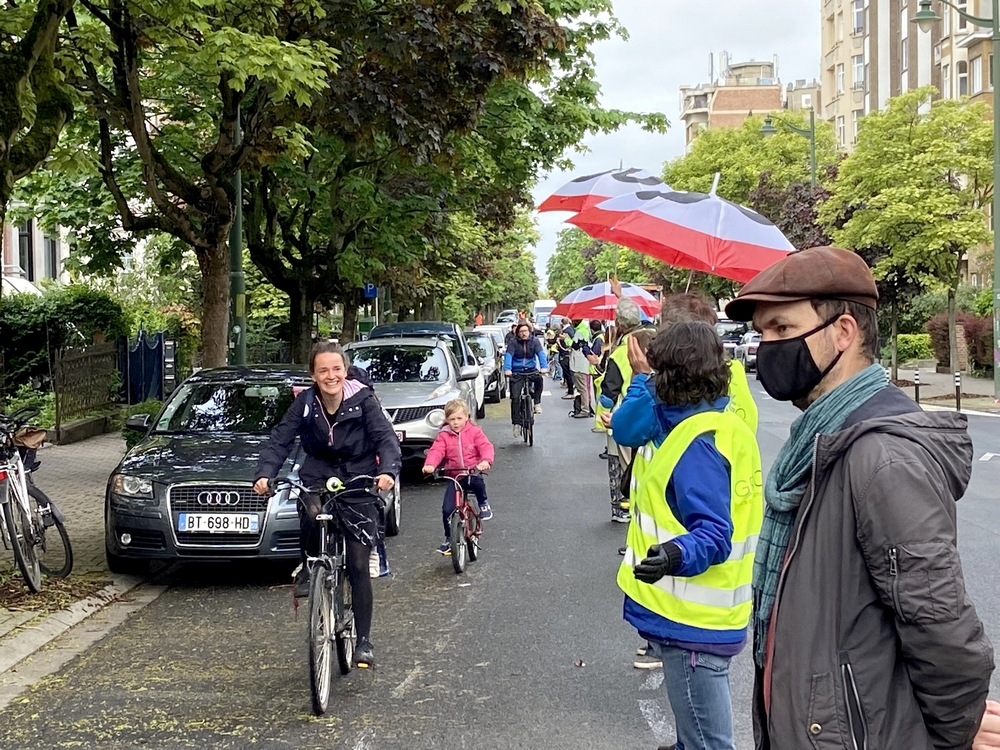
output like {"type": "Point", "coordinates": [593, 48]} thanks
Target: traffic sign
{"type": "Point", "coordinates": [371, 291]}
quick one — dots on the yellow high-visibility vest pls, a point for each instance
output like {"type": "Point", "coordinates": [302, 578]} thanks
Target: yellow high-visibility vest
{"type": "Point", "coordinates": [721, 597]}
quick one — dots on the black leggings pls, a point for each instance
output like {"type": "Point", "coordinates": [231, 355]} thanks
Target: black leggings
{"type": "Point", "coordinates": [518, 382]}
{"type": "Point", "coordinates": [358, 555]}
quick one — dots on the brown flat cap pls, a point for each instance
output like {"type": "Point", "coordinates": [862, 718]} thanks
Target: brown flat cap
{"type": "Point", "coordinates": [819, 272]}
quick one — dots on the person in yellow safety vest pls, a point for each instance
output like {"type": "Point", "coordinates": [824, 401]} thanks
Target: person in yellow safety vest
{"type": "Point", "coordinates": [697, 508]}
{"type": "Point", "coordinates": [580, 367]}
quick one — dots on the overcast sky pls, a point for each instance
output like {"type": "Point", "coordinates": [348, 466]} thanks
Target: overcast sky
{"type": "Point", "coordinates": [669, 46]}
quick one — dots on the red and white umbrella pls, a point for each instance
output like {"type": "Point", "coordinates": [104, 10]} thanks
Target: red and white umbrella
{"type": "Point", "coordinates": [698, 231]}
{"type": "Point", "coordinates": [584, 192]}
{"type": "Point", "coordinates": [598, 302]}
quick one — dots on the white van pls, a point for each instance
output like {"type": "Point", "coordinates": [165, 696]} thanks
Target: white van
{"type": "Point", "coordinates": [541, 310]}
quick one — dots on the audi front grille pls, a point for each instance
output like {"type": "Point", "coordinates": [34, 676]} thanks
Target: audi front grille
{"type": "Point", "coordinates": [215, 498]}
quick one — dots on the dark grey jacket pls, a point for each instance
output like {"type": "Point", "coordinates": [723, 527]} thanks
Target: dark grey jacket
{"type": "Point", "coordinates": [876, 643]}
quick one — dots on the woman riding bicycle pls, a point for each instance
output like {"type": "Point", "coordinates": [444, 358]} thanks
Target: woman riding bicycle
{"type": "Point", "coordinates": [524, 361]}
{"type": "Point", "coordinates": [345, 434]}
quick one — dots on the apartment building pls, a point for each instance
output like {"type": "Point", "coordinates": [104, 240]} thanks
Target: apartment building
{"type": "Point", "coordinates": [31, 255]}
{"type": "Point", "coordinates": [726, 102]}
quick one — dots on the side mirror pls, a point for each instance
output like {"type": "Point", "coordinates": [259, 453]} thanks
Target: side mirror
{"type": "Point", "coordinates": [482, 360]}
{"type": "Point", "coordinates": [139, 422]}
{"type": "Point", "coordinates": [468, 373]}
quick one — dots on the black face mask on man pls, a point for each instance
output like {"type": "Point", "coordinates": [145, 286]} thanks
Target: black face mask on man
{"type": "Point", "coordinates": [786, 368]}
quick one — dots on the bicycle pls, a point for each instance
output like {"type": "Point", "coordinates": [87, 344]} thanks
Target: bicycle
{"type": "Point", "coordinates": [331, 613]}
{"type": "Point", "coordinates": [465, 525]}
{"type": "Point", "coordinates": [28, 513]}
{"type": "Point", "coordinates": [525, 404]}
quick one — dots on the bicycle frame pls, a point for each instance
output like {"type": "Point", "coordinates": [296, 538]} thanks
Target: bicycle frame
{"type": "Point", "coordinates": [14, 477]}
{"type": "Point", "coordinates": [464, 508]}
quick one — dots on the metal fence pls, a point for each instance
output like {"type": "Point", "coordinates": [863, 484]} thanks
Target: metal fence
{"type": "Point", "coordinates": [86, 380]}
{"type": "Point", "coordinates": [271, 353]}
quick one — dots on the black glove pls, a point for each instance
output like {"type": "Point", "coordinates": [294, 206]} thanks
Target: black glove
{"type": "Point", "coordinates": [661, 560]}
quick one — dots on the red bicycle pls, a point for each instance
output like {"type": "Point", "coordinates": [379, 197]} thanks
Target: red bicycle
{"type": "Point", "coordinates": [465, 525]}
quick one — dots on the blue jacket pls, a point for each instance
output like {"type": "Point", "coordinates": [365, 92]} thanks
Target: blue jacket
{"type": "Point", "coordinates": [525, 356]}
{"type": "Point", "coordinates": [698, 494]}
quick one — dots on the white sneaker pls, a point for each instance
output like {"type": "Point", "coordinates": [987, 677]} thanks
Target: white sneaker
{"type": "Point", "coordinates": [538, 409]}
{"type": "Point", "coordinates": [517, 430]}
{"type": "Point", "coordinates": [647, 662]}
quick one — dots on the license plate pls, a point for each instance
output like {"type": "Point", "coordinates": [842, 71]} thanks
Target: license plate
{"type": "Point", "coordinates": [219, 523]}
{"type": "Point", "coordinates": [400, 435]}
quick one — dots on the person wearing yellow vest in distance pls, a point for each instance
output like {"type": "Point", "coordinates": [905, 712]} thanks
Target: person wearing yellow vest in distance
{"type": "Point", "coordinates": [593, 351]}
{"type": "Point", "coordinates": [580, 367]}
{"type": "Point", "coordinates": [697, 508]}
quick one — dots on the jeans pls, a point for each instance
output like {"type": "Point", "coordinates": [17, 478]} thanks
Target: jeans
{"type": "Point", "coordinates": [697, 687]}
{"type": "Point", "coordinates": [518, 383]}
{"type": "Point", "coordinates": [475, 483]}
{"type": "Point", "coordinates": [556, 369]}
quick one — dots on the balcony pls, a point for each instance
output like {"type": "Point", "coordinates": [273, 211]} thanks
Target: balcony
{"type": "Point", "coordinates": [831, 57]}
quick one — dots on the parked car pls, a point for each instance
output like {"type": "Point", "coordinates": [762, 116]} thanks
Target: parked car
{"type": "Point", "coordinates": [746, 350]}
{"type": "Point", "coordinates": [506, 317]}
{"type": "Point", "coordinates": [499, 335]}
{"type": "Point", "coordinates": [490, 362]}
{"type": "Point", "coordinates": [415, 377]}
{"type": "Point", "coordinates": [449, 332]}
{"type": "Point", "coordinates": [731, 332]}
{"type": "Point", "coordinates": [185, 491]}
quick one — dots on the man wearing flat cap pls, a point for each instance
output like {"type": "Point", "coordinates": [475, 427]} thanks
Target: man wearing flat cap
{"type": "Point", "coordinates": [864, 635]}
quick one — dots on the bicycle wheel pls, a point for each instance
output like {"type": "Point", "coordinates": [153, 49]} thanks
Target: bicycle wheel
{"type": "Point", "coordinates": [19, 527]}
{"type": "Point", "coordinates": [346, 631]}
{"type": "Point", "coordinates": [472, 527]}
{"type": "Point", "coordinates": [457, 542]}
{"type": "Point", "coordinates": [55, 553]}
{"type": "Point", "coordinates": [321, 626]}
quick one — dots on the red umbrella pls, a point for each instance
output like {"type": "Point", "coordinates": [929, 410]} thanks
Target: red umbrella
{"type": "Point", "coordinates": [698, 231]}
{"type": "Point", "coordinates": [598, 302]}
{"type": "Point", "coordinates": [584, 192]}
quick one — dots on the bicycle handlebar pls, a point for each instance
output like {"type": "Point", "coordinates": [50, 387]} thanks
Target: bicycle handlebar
{"type": "Point", "coordinates": [18, 418]}
{"type": "Point", "coordinates": [334, 485]}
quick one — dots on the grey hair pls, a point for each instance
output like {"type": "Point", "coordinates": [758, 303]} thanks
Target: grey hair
{"type": "Point", "coordinates": [627, 314]}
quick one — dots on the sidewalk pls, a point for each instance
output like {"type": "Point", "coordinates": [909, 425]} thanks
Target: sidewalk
{"type": "Point", "coordinates": [938, 389]}
{"type": "Point", "coordinates": [75, 477]}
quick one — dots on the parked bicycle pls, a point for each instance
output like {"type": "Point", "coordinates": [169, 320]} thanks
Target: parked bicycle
{"type": "Point", "coordinates": [32, 526]}
{"type": "Point", "coordinates": [331, 613]}
{"type": "Point", "coordinates": [523, 406]}
{"type": "Point", "coordinates": [465, 525]}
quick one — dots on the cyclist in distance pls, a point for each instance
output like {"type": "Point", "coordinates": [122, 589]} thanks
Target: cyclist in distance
{"type": "Point", "coordinates": [524, 361]}
{"type": "Point", "coordinates": [344, 434]}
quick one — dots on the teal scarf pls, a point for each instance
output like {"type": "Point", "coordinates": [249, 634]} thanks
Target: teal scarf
{"type": "Point", "coordinates": [786, 484]}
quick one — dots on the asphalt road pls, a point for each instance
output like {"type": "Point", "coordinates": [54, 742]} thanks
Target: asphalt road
{"type": "Point", "coordinates": [526, 650]}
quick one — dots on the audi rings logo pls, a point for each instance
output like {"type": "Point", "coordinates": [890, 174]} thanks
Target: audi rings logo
{"type": "Point", "coordinates": [218, 497]}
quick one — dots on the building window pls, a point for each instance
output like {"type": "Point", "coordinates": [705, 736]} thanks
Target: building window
{"type": "Point", "coordinates": [858, 68]}
{"type": "Point", "coordinates": [962, 68]}
{"type": "Point", "coordinates": [807, 101]}
{"type": "Point", "coordinates": [856, 116]}
{"type": "Point", "coordinates": [840, 27]}
{"type": "Point", "coordinates": [859, 16]}
{"type": "Point", "coordinates": [26, 249]}
{"type": "Point", "coordinates": [946, 81]}
{"type": "Point", "coordinates": [976, 74]}
{"type": "Point", "coordinates": [51, 257]}
{"type": "Point", "coordinates": [840, 78]}
{"type": "Point", "coordinates": [841, 132]}
{"type": "Point", "coordinates": [904, 36]}
{"type": "Point", "coordinates": [945, 21]}
{"type": "Point", "coordinates": [962, 6]}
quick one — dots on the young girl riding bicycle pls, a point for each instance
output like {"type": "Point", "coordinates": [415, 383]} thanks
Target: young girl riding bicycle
{"type": "Point", "coordinates": [460, 446]}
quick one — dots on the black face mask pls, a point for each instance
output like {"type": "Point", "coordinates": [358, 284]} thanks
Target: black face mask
{"type": "Point", "coordinates": [787, 369]}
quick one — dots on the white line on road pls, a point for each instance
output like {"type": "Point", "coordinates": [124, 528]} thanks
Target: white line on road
{"type": "Point", "coordinates": [653, 681]}
{"type": "Point", "coordinates": [659, 722]}
{"type": "Point", "coordinates": [362, 743]}
{"type": "Point", "coordinates": [402, 687]}
{"type": "Point", "coordinates": [988, 456]}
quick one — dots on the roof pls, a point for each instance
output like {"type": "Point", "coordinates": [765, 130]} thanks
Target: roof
{"type": "Point", "coordinates": [412, 326]}
{"type": "Point", "coordinates": [252, 372]}
{"type": "Point", "coordinates": [397, 341]}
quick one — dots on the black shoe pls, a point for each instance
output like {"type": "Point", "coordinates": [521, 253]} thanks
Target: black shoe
{"type": "Point", "coordinates": [364, 654]}
{"type": "Point", "coordinates": [302, 583]}
{"type": "Point", "coordinates": [581, 415]}
{"type": "Point", "coordinates": [671, 746]}
{"type": "Point", "coordinates": [622, 551]}
{"type": "Point", "coordinates": [604, 454]}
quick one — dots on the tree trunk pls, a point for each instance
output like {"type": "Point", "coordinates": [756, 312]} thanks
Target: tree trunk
{"type": "Point", "coordinates": [895, 339]}
{"type": "Point", "coordinates": [301, 306]}
{"type": "Point", "coordinates": [350, 332]}
{"type": "Point", "coordinates": [3, 237]}
{"type": "Point", "coordinates": [952, 332]}
{"type": "Point", "coordinates": [214, 265]}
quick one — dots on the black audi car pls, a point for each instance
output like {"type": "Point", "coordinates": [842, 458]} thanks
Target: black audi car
{"type": "Point", "coordinates": [185, 491]}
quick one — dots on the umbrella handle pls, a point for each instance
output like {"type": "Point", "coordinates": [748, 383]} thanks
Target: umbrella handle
{"type": "Point", "coordinates": [715, 184]}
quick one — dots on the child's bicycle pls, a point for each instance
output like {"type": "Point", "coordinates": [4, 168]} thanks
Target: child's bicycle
{"type": "Point", "coordinates": [465, 525]}
{"type": "Point", "coordinates": [331, 613]}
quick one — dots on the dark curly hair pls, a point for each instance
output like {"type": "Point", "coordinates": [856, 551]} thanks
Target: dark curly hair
{"type": "Point", "coordinates": [690, 364]}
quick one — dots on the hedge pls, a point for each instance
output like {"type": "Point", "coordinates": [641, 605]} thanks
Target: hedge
{"type": "Point", "coordinates": [978, 338]}
{"type": "Point", "coordinates": [910, 346]}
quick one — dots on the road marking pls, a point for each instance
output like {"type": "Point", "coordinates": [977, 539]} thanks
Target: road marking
{"type": "Point", "coordinates": [362, 743]}
{"type": "Point", "coordinates": [405, 684]}
{"type": "Point", "coordinates": [659, 722]}
{"type": "Point", "coordinates": [988, 456]}
{"type": "Point", "coordinates": [654, 681]}
{"type": "Point", "coordinates": [546, 393]}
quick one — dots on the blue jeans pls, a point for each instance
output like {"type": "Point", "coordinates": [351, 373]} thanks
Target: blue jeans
{"type": "Point", "coordinates": [697, 687]}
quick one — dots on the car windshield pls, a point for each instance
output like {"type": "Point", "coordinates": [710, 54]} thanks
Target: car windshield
{"type": "Point", "coordinates": [402, 364]}
{"type": "Point", "coordinates": [252, 408]}
{"type": "Point", "coordinates": [727, 329]}
{"type": "Point", "coordinates": [482, 346]}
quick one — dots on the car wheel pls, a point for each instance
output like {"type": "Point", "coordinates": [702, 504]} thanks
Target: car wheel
{"type": "Point", "coordinates": [125, 566]}
{"type": "Point", "coordinates": [392, 514]}
{"type": "Point", "coordinates": [481, 410]}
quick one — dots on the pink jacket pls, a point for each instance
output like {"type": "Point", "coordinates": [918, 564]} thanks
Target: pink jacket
{"type": "Point", "coordinates": [459, 450]}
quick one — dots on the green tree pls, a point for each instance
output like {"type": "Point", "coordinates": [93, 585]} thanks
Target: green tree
{"type": "Point", "coordinates": [35, 103]}
{"type": "Point", "coordinates": [741, 155]}
{"type": "Point", "coordinates": [915, 186]}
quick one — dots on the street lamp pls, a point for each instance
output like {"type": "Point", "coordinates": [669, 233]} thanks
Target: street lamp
{"type": "Point", "coordinates": [925, 19]}
{"type": "Point", "coordinates": [768, 130]}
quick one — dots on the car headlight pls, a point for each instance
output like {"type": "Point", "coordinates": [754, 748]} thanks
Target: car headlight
{"type": "Point", "coordinates": [436, 418]}
{"type": "Point", "coordinates": [131, 486]}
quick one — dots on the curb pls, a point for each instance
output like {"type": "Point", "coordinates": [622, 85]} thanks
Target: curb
{"type": "Point", "coordinates": [26, 639]}
{"type": "Point", "coordinates": [971, 412]}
